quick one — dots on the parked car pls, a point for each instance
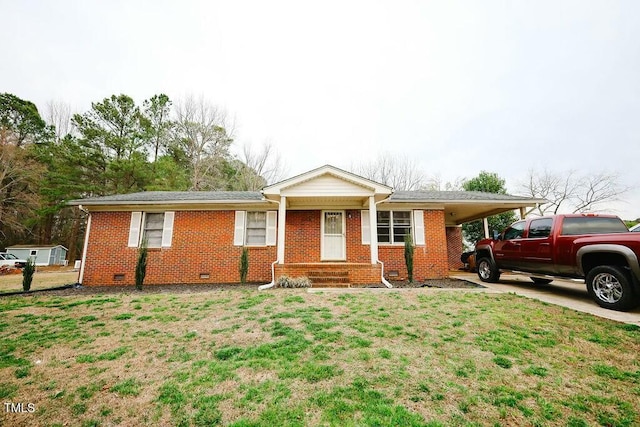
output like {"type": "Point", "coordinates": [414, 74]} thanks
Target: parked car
{"type": "Point", "coordinates": [635, 228]}
{"type": "Point", "coordinates": [10, 260]}
{"type": "Point", "coordinates": [597, 248]}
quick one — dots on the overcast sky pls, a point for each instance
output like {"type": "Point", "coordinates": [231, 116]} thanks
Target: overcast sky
{"type": "Point", "coordinates": [460, 86]}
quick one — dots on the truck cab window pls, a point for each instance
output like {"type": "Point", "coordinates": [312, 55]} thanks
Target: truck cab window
{"type": "Point", "coordinates": [540, 228]}
{"type": "Point", "coordinates": [515, 231]}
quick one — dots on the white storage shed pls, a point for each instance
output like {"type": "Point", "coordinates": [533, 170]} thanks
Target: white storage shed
{"type": "Point", "coordinates": [43, 255]}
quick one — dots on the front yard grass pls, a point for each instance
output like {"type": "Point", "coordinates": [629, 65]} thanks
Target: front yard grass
{"type": "Point", "coordinates": [287, 357]}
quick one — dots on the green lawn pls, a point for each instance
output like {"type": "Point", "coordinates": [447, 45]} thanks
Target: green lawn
{"type": "Point", "coordinates": [288, 357]}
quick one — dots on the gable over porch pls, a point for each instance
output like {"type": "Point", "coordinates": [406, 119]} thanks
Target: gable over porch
{"type": "Point", "coordinates": [325, 197]}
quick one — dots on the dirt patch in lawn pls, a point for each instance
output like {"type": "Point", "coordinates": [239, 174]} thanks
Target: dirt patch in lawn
{"type": "Point", "coordinates": [42, 279]}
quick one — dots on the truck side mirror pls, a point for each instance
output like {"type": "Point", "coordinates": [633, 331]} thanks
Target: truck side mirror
{"type": "Point", "coordinates": [496, 235]}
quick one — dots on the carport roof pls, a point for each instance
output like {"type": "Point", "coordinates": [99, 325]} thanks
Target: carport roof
{"type": "Point", "coordinates": [464, 206]}
{"type": "Point", "coordinates": [448, 196]}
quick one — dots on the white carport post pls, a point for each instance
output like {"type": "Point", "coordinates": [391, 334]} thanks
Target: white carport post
{"type": "Point", "coordinates": [373, 230]}
{"type": "Point", "coordinates": [485, 223]}
{"type": "Point", "coordinates": [282, 214]}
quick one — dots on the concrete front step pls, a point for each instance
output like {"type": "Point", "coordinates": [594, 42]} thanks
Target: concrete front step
{"type": "Point", "coordinates": [328, 279]}
{"type": "Point", "coordinates": [330, 285]}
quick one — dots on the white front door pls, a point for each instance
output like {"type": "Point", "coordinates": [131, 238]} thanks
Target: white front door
{"type": "Point", "coordinates": [333, 236]}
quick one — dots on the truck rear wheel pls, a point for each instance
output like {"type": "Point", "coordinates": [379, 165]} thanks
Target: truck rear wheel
{"type": "Point", "coordinates": [610, 287]}
{"type": "Point", "coordinates": [488, 270]}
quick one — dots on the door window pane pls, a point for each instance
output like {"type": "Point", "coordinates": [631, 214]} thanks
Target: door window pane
{"type": "Point", "coordinates": [333, 222]}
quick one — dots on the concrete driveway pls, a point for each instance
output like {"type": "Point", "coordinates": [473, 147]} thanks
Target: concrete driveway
{"type": "Point", "coordinates": [567, 293]}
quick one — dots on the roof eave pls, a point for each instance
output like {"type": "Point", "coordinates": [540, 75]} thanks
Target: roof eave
{"type": "Point", "coordinates": [165, 202]}
{"type": "Point", "coordinates": [528, 202]}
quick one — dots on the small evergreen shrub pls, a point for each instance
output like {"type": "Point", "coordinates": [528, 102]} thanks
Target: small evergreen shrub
{"type": "Point", "coordinates": [243, 267]}
{"type": "Point", "coordinates": [285, 281]}
{"type": "Point", "coordinates": [408, 256]}
{"type": "Point", "coordinates": [141, 265]}
{"type": "Point", "coordinates": [27, 274]}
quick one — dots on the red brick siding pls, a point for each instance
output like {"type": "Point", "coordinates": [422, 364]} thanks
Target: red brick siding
{"type": "Point", "coordinates": [358, 273]}
{"type": "Point", "coordinates": [302, 240]}
{"type": "Point", "coordinates": [454, 247]}
{"type": "Point", "coordinates": [202, 243]}
{"type": "Point", "coordinates": [356, 251]}
{"type": "Point", "coordinates": [429, 261]}
{"type": "Point", "coordinates": [302, 237]}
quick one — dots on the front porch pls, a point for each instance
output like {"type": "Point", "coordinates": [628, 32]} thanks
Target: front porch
{"type": "Point", "coordinates": [333, 274]}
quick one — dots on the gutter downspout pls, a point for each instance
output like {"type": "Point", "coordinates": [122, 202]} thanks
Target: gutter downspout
{"type": "Point", "coordinates": [273, 278]}
{"type": "Point", "coordinates": [382, 279]}
{"type": "Point", "coordinates": [273, 271]}
{"type": "Point", "coordinates": [86, 244]}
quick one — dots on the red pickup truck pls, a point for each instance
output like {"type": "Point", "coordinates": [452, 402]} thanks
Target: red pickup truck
{"type": "Point", "coordinates": [597, 248]}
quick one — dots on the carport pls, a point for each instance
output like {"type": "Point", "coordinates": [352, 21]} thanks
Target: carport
{"type": "Point", "coordinates": [466, 206]}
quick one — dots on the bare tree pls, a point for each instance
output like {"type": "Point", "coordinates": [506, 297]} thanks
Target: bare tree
{"type": "Point", "coordinates": [570, 192]}
{"type": "Point", "coordinates": [399, 172]}
{"type": "Point", "coordinates": [18, 191]}
{"type": "Point", "coordinates": [435, 183]}
{"type": "Point", "coordinates": [596, 189]}
{"type": "Point", "coordinates": [260, 168]}
{"type": "Point", "coordinates": [58, 114]}
{"type": "Point", "coordinates": [203, 132]}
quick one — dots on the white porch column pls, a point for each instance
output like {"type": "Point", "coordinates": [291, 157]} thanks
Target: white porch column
{"type": "Point", "coordinates": [282, 214]}
{"type": "Point", "coordinates": [373, 230]}
{"type": "Point", "coordinates": [485, 223]}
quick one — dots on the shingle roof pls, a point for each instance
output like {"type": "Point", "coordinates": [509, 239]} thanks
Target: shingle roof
{"type": "Point", "coordinates": [173, 196]}
{"type": "Point", "coordinates": [451, 196]}
{"type": "Point", "coordinates": [152, 197]}
{"type": "Point", "coordinates": [35, 247]}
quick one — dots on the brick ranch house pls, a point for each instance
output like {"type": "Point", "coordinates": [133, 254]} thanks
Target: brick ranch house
{"type": "Point", "coordinates": [327, 224]}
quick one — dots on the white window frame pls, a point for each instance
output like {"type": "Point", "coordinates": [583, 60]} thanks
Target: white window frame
{"type": "Point", "coordinates": [144, 229]}
{"type": "Point", "coordinates": [391, 239]}
{"type": "Point", "coordinates": [241, 226]}
{"type": "Point", "coordinates": [138, 227]}
{"type": "Point", "coordinates": [246, 228]}
{"type": "Point", "coordinates": [344, 238]}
